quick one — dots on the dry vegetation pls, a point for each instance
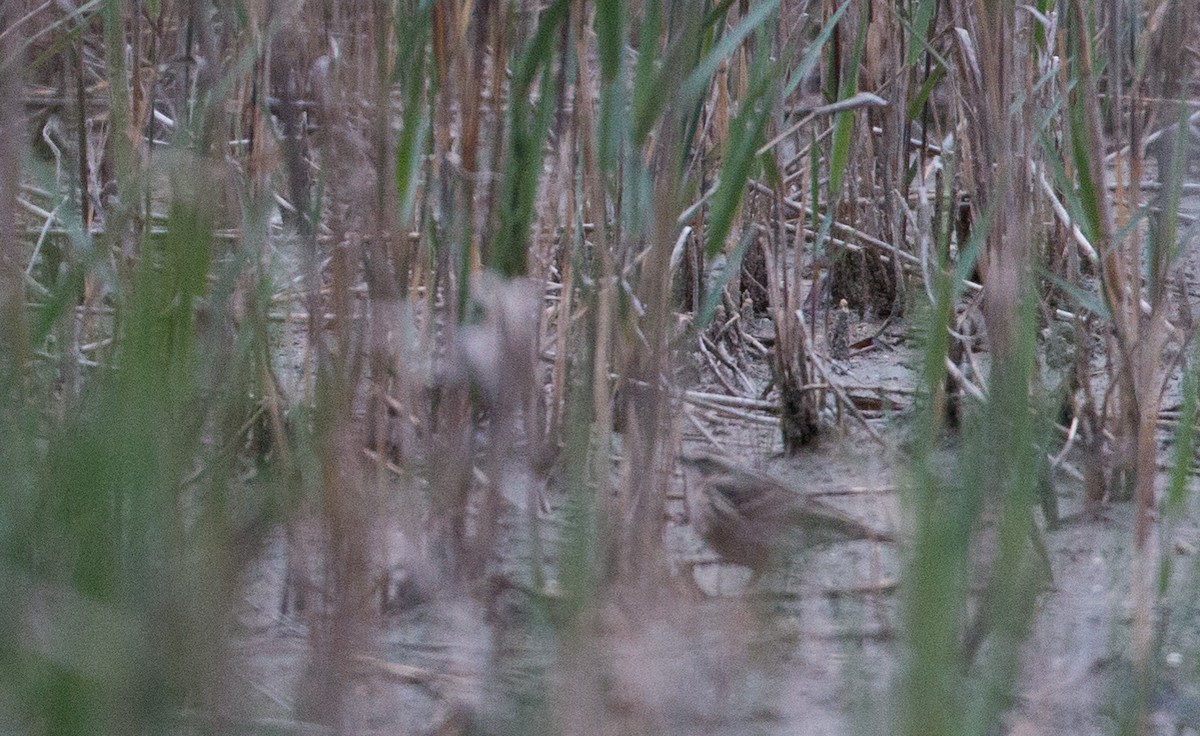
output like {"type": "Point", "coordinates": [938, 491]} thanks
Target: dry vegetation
{"type": "Point", "coordinates": [323, 323]}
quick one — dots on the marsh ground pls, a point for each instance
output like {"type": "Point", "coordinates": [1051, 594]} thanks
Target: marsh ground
{"type": "Point", "coordinates": [810, 650]}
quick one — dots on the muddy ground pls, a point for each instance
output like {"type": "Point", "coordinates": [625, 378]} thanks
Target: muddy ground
{"type": "Point", "coordinates": [819, 654]}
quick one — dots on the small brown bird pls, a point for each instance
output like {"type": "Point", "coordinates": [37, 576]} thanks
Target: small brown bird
{"type": "Point", "coordinates": [747, 517]}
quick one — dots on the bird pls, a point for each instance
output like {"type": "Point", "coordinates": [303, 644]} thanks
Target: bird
{"type": "Point", "coordinates": [747, 517]}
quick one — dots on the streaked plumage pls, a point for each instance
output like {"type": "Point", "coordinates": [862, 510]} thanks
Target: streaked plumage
{"type": "Point", "coordinates": [746, 516]}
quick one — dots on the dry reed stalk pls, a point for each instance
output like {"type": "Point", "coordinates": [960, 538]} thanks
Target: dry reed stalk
{"type": "Point", "coordinates": [599, 327]}
{"type": "Point", "coordinates": [1149, 335]}
{"type": "Point", "coordinates": [798, 408]}
{"type": "Point", "coordinates": [13, 334]}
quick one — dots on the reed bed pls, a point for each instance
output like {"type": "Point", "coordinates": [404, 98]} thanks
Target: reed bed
{"type": "Point", "coordinates": [412, 305]}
